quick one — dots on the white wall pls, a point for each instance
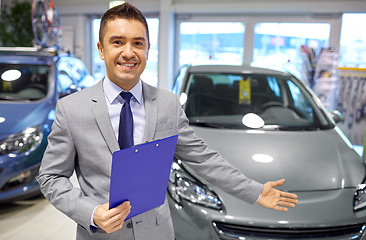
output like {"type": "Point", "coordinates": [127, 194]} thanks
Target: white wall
{"type": "Point", "coordinates": [76, 26]}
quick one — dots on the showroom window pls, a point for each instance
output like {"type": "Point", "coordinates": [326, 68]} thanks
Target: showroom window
{"type": "Point", "coordinates": [353, 41]}
{"type": "Point", "coordinates": [278, 45]}
{"type": "Point", "coordinates": [150, 75]}
{"type": "Point", "coordinates": [211, 43]}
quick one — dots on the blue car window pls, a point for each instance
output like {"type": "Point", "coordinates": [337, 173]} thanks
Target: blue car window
{"type": "Point", "coordinates": [20, 82]}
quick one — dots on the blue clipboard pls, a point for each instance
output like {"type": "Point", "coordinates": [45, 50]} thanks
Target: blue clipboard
{"type": "Point", "coordinates": [140, 174]}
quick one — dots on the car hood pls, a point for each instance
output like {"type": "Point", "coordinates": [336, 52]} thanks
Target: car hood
{"type": "Point", "coordinates": [18, 116]}
{"type": "Point", "coordinates": [308, 160]}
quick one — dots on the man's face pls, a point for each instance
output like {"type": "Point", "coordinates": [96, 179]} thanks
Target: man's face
{"type": "Point", "coordinates": [125, 51]}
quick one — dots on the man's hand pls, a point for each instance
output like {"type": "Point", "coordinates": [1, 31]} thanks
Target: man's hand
{"type": "Point", "coordinates": [275, 199]}
{"type": "Point", "coordinates": [111, 220]}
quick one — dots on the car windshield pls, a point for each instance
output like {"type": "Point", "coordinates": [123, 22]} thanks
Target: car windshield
{"type": "Point", "coordinates": [241, 101]}
{"type": "Point", "coordinates": [19, 82]}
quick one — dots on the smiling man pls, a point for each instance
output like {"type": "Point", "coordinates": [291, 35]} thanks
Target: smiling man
{"type": "Point", "coordinates": [124, 46]}
{"type": "Point", "coordinates": [90, 125]}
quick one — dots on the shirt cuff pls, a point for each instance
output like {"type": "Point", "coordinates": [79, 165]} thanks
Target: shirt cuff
{"type": "Point", "coordinates": [255, 201]}
{"type": "Point", "coordinates": [93, 226]}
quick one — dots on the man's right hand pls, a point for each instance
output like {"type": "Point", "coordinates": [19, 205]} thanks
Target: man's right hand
{"type": "Point", "coordinates": [113, 219]}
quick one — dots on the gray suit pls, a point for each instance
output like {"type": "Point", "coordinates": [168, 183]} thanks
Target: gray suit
{"type": "Point", "coordinates": [82, 139]}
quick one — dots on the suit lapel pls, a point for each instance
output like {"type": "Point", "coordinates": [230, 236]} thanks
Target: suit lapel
{"type": "Point", "coordinates": [151, 111]}
{"type": "Point", "coordinates": [101, 115]}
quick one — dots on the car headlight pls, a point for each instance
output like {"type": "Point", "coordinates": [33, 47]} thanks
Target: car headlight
{"type": "Point", "coordinates": [183, 185]}
{"type": "Point", "coordinates": [21, 142]}
{"type": "Point", "coordinates": [360, 197]}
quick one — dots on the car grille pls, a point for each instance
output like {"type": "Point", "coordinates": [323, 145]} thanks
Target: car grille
{"type": "Point", "coordinates": [230, 232]}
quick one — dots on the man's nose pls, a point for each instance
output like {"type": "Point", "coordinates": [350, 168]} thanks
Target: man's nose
{"type": "Point", "coordinates": [127, 51]}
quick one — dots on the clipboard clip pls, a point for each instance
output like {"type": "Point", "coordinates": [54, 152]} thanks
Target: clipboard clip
{"type": "Point", "coordinates": [136, 150]}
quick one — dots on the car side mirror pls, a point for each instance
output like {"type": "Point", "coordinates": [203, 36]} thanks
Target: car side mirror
{"type": "Point", "coordinates": [336, 116]}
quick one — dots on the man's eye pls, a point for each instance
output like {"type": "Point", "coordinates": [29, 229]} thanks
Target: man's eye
{"type": "Point", "coordinates": [139, 44]}
{"type": "Point", "coordinates": [117, 42]}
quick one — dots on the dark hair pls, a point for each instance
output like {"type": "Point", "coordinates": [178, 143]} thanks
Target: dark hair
{"type": "Point", "coordinates": [123, 11]}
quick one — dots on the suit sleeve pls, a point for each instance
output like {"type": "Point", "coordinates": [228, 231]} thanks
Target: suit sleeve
{"type": "Point", "coordinates": [211, 166]}
{"type": "Point", "coordinates": [56, 169]}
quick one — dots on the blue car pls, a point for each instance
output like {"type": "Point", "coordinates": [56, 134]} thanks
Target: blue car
{"type": "Point", "coordinates": [31, 82]}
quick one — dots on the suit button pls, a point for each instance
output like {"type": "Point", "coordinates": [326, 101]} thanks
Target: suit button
{"type": "Point", "coordinates": [129, 225]}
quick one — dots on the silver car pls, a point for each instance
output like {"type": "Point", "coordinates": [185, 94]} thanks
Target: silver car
{"type": "Point", "coordinates": [269, 125]}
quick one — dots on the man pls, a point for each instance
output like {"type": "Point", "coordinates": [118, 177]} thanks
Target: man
{"type": "Point", "coordinates": [86, 132]}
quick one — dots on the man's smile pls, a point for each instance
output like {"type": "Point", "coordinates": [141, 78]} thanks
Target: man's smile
{"type": "Point", "coordinates": [128, 65]}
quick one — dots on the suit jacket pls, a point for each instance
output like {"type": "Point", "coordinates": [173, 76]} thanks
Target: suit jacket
{"type": "Point", "coordinates": [82, 139]}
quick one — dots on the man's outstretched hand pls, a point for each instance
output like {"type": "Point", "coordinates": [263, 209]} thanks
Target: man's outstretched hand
{"type": "Point", "coordinates": [276, 199]}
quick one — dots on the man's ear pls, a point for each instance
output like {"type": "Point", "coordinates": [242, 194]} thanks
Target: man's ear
{"type": "Point", "coordinates": [100, 50]}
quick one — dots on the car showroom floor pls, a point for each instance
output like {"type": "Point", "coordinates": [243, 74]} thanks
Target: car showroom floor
{"type": "Point", "coordinates": [35, 218]}
{"type": "Point", "coordinates": [38, 219]}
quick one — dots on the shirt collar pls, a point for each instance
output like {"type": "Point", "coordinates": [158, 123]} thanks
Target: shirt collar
{"type": "Point", "coordinates": [112, 90]}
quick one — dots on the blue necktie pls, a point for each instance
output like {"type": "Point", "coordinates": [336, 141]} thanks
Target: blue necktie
{"type": "Point", "coordinates": [125, 132]}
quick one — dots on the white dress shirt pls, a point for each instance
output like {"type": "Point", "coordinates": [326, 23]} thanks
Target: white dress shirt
{"type": "Point", "coordinates": [115, 103]}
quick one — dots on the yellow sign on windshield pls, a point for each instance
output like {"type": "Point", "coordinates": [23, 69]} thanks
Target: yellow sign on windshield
{"type": "Point", "coordinates": [244, 92]}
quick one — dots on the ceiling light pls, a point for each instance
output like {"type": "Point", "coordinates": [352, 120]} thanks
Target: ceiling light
{"type": "Point", "coordinates": [183, 98]}
{"type": "Point", "coordinates": [11, 75]}
{"type": "Point", "coordinates": [262, 158]}
{"type": "Point", "coordinates": [252, 120]}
